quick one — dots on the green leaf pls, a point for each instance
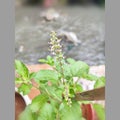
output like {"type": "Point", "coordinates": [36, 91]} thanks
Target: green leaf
{"type": "Point", "coordinates": [42, 60]}
{"type": "Point", "coordinates": [90, 77]}
{"type": "Point", "coordinates": [67, 72]}
{"type": "Point", "coordinates": [71, 92]}
{"type": "Point", "coordinates": [47, 112]}
{"type": "Point", "coordinates": [21, 69]}
{"type": "Point", "coordinates": [70, 113]}
{"type": "Point", "coordinates": [71, 61]}
{"type": "Point", "coordinates": [55, 92]}
{"type": "Point", "coordinates": [58, 64]}
{"type": "Point", "coordinates": [18, 80]}
{"type": "Point", "coordinates": [78, 88]}
{"type": "Point", "coordinates": [25, 88]}
{"type": "Point", "coordinates": [100, 82]}
{"type": "Point", "coordinates": [103, 79]}
{"type": "Point", "coordinates": [32, 75]}
{"type": "Point", "coordinates": [27, 114]}
{"type": "Point", "coordinates": [100, 111]}
{"type": "Point", "coordinates": [55, 105]}
{"type": "Point", "coordinates": [75, 69]}
{"type": "Point", "coordinates": [38, 102]}
{"type": "Point", "coordinates": [46, 75]}
{"type": "Point", "coordinates": [79, 68]}
{"type": "Point", "coordinates": [49, 60]}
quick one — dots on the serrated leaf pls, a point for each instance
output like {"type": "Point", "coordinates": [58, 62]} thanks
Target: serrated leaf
{"type": "Point", "coordinates": [47, 112]}
{"type": "Point", "coordinates": [38, 102]}
{"type": "Point", "coordinates": [46, 75]}
{"type": "Point", "coordinates": [67, 72]}
{"type": "Point", "coordinates": [25, 88]}
{"type": "Point", "coordinates": [32, 75]}
{"type": "Point", "coordinates": [54, 91]}
{"type": "Point", "coordinates": [21, 69]}
{"type": "Point", "coordinates": [71, 61]}
{"type": "Point", "coordinates": [71, 113]}
{"type": "Point", "coordinates": [27, 114]}
{"type": "Point", "coordinates": [79, 68]}
{"type": "Point", "coordinates": [90, 77]}
{"type": "Point", "coordinates": [100, 82]}
{"type": "Point", "coordinates": [100, 111]}
{"type": "Point", "coordinates": [18, 80]}
{"type": "Point", "coordinates": [49, 60]}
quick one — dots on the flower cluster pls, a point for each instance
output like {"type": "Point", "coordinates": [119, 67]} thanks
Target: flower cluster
{"type": "Point", "coordinates": [56, 50]}
{"type": "Point", "coordinates": [55, 46]}
{"type": "Point", "coordinates": [66, 95]}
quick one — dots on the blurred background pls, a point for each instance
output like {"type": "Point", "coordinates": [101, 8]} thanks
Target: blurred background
{"type": "Point", "coordinates": [79, 23]}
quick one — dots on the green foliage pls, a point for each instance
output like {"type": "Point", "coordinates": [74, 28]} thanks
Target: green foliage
{"type": "Point", "coordinates": [24, 77]}
{"type": "Point", "coordinates": [38, 102]}
{"type": "Point", "coordinates": [47, 112]}
{"type": "Point", "coordinates": [70, 113]}
{"type": "Point", "coordinates": [100, 82]}
{"type": "Point", "coordinates": [100, 111]}
{"type": "Point", "coordinates": [70, 60]}
{"type": "Point", "coordinates": [54, 92]}
{"type": "Point", "coordinates": [27, 114]}
{"type": "Point", "coordinates": [57, 87]}
{"type": "Point", "coordinates": [49, 60]}
{"type": "Point", "coordinates": [78, 88]}
{"type": "Point", "coordinates": [46, 75]}
{"type": "Point", "coordinates": [79, 68]}
{"type": "Point", "coordinates": [25, 88]}
{"type": "Point", "coordinates": [90, 77]}
{"type": "Point", "coordinates": [21, 69]}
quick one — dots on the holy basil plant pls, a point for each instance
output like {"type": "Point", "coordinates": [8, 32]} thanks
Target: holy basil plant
{"type": "Point", "coordinates": [57, 86]}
